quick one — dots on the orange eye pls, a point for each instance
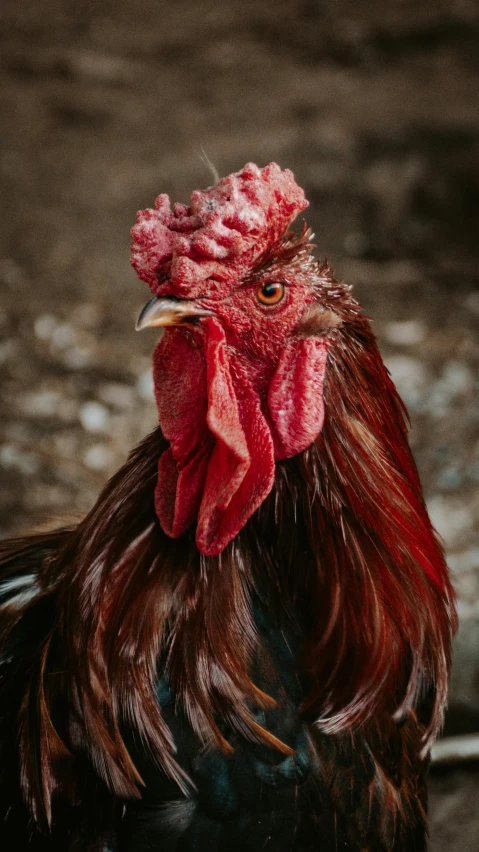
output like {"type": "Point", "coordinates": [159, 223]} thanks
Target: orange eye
{"type": "Point", "coordinates": [270, 293]}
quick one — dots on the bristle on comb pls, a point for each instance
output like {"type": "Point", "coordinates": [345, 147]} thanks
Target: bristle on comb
{"type": "Point", "coordinates": [225, 229]}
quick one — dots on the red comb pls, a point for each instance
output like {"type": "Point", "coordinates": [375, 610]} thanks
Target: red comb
{"type": "Point", "coordinates": [225, 228]}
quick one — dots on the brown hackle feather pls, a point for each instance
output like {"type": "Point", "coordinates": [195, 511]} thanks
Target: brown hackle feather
{"type": "Point", "coordinates": [361, 566]}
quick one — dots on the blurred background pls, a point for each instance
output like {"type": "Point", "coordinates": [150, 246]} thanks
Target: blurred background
{"type": "Point", "coordinates": [375, 108]}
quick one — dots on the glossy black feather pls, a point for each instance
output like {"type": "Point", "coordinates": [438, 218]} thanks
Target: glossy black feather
{"type": "Point", "coordinates": [354, 792]}
{"type": "Point", "coordinates": [361, 791]}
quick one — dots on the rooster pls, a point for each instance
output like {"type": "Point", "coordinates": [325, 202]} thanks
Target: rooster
{"type": "Point", "coordinates": [245, 644]}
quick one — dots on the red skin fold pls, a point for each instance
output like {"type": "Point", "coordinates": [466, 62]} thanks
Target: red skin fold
{"type": "Point", "coordinates": [225, 435]}
{"type": "Point", "coordinates": [240, 390]}
{"type": "Point", "coordinates": [295, 396]}
{"type": "Point", "coordinates": [219, 236]}
{"type": "Point", "coordinates": [180, 384]}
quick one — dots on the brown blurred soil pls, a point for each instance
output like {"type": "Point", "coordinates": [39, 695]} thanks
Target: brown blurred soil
{"type": "Point", "coordinates": [375, 108]}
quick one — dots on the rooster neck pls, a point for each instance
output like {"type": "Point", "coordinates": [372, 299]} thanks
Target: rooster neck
{"type": "Point", "coordinates": [341, 549]}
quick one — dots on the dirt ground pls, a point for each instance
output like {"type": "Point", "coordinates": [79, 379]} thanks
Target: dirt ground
{"type": "Point", "coordinates": [375, 108]}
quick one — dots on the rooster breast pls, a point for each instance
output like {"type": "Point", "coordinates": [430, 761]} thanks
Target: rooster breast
{"type": "Point", "coordinates": [354, 792]}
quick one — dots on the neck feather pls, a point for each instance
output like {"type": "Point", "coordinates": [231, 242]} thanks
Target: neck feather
{"type": "Point", "coordinates": [361, 570]}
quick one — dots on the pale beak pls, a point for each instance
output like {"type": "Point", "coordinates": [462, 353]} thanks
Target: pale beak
{"type": "Point", "coordinates": [160, 312]}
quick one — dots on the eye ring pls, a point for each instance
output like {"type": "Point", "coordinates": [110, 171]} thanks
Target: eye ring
{"type": "Point", "coordinates": [270, 293]}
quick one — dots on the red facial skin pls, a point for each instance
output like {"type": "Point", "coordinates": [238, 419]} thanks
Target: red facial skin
{"type": "Point", "coordinates": [243, 387]}
{"type": "Point", "coordinates": [234, 393]}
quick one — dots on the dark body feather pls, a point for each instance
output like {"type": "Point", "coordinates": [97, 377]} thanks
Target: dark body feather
{"type": "Point", "coordinates": [154, 698]}
{"type": "Point", "coordinates": [356, 791]}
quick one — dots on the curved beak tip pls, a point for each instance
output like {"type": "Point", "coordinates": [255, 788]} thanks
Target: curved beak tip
{"type": "Point", "coordinates": [149, 314]}
{"type": "Point", "coordinates": [164, 311]}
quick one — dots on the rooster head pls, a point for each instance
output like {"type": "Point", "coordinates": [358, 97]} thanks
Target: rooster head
{"type": "Point", "coordinates": [239, 370]}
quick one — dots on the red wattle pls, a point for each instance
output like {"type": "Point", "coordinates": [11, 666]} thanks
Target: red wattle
{"type": "Point", "coordinates": [295, 396]}
{"type": "Point", "coordinates": [230, 458]}
{"type": "Point", "coordinates": [180, 383]}
{"type": "Point", "coordinates": [241, 470]}
{"type": "Point", "coordinates": [221, 461]}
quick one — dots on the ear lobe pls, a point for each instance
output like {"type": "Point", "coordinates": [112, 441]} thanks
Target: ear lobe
{"type": "Point", "coordinates": [295, 397]}
{"type": "Point", "coordinates": [317, 320]}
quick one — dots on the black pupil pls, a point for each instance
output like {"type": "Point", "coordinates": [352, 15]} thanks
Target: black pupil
{"type": "Point", "coordinates": [269, 291]}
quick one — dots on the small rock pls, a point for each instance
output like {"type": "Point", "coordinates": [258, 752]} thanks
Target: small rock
{"type": "Point", "coordinates": [98, 457]}
{"type": "Point", "coordinates": [77, 357]}
{"type": "Point", "coordinates": [450, 517]}
{"type": "Point", "coordinates": [40, 404]}
{"type": "Point", "coordinates": [118, 395]}
{"type": "Point", "coordinates": [405, 333]}
{"type": "Point", "coordinates": [44, 326]}
{"type": "Point", "coordinates": [11, 457]}
{"type": "Point", "coordinates": [11, 273]}
{"type": "Point", "coordinates": [63, 336]}
{"type": "Point", "coordinates": [467, 560]}
{"type": "Point", "coordinates": [8, 350]}
{"type": "Point", "coordinates": [145, 387]}
{"type": "Point", "coordinates": [450, 477]}
{"type": "Point", "coordinates": [410, 377]}
{"type": "Point", "coordinates": [48, 403]}
{"type": "Point", "coordinates": [466, 611]}
{"type": "Point", "coordinates": [458, 377]}
{"type": "Point", "coordinates": [94, 417]}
